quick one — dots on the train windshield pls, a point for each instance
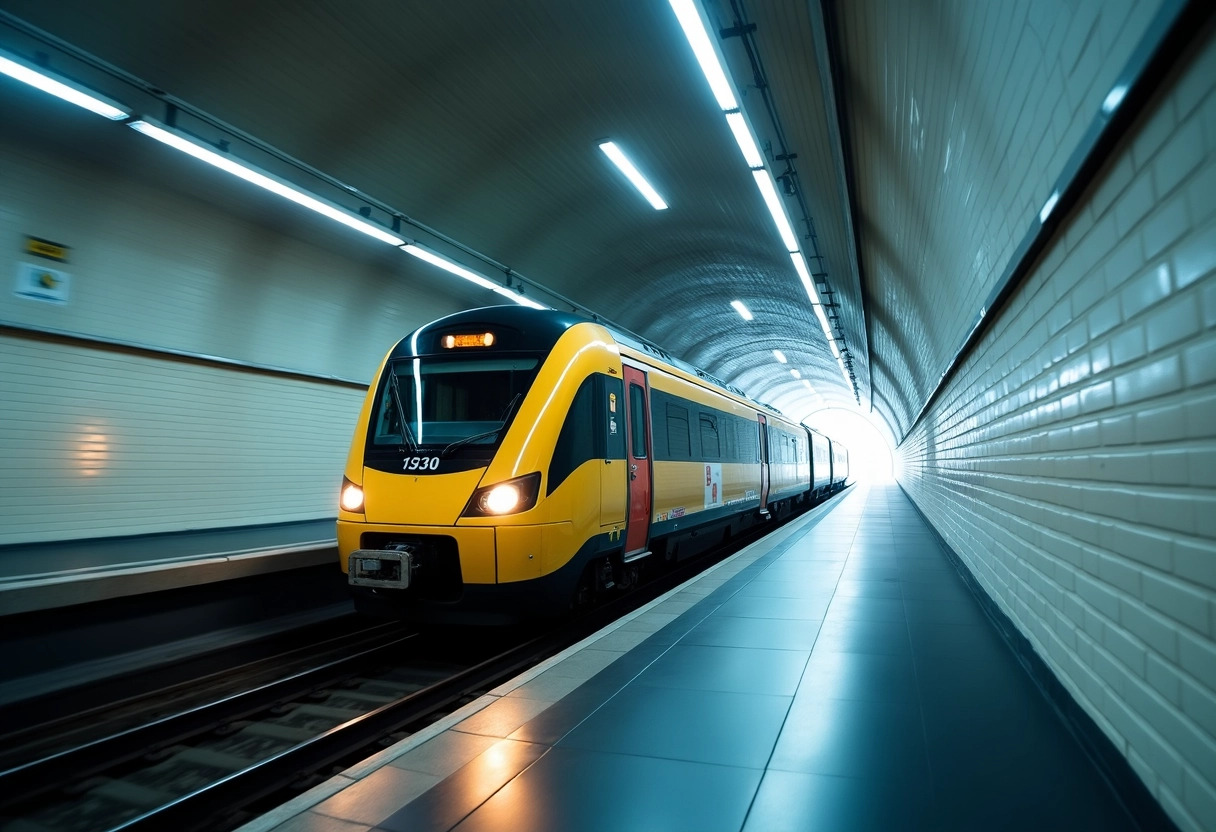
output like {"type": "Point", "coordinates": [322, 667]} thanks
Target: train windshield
{"type": "Point", "coordinates": [449, 403]}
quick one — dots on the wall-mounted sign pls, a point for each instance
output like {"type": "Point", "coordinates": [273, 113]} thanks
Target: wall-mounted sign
{"type": "Point", "coordinates": [45, 248]}
{"type": "Point", "coordinates": [36, 282]}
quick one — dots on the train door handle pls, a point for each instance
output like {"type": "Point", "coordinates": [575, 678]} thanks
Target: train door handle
{"type": "Point", "coordinates": [633, 472]}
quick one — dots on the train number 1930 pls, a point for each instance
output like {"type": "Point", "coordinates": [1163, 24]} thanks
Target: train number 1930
{"type": "Point", "coordinates": [422, 463]}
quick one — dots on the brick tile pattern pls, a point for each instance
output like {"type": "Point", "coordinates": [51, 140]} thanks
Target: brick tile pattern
{"type": "Point", "coordinates": [1072, 461]}
{"type": "Point", "coordinates": [963, 116]}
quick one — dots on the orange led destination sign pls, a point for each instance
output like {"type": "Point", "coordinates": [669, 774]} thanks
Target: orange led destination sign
{"type": "Point", "coordinates": [481, 339]}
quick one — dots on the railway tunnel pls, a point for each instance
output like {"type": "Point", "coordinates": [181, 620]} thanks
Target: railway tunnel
{"type": "Point", "coordinates": [974, 241]}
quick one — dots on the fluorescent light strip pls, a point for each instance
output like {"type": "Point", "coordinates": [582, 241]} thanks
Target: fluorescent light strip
{"type": "Point", "coordinates": [769, 191]}
{"type": "Point", "coordinates": [779, 355]}
{"type": "Point", "coordinates": [805, 276]}
{"type": "Point", "coordinates": [39, 79]}
{"type": "Point", "coordinates": [698, 38]}
{"type": "Point", "coordinates": [744, 312]}
{"type": "Point", "coordinates": [1049, 207]}
{"type": "Point", "coordinates": [743, 135]}
{"type": "Point", "coordinates": [631, 173]}
{"type": "Point", "coordinates": [1114, 98]}
{"type": "Point", "coordinates": [277, 186]}
{"type": "Point", "coordinates": [795, 373]}
{"type": "Point", "coordinates": [688, 13]}
{"type": "Point", "coordinates": [473, 277]}
{"type": "Point", "coordinates": [823, 320]}
{"type": "Point", "coordinates": [264, 180]}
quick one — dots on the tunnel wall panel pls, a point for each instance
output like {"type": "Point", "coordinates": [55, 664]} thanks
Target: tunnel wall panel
{"type": "Point", "coordinates": [1071, 460]}
{"type": "Point", "coordinates": [168, 255]}
{"type": "Point", "coordinates": [100, 443]}
{"type": "Point", "coordinates": [166, 252]}
{"type": "Point", "coordinates": [964, 117]}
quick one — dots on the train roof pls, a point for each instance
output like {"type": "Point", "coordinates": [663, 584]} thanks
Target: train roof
{"type": "Point", "coordinates": [539, 329]}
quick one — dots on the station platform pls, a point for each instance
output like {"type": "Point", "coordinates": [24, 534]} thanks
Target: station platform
{"type": "Point", "coordinates": [38, 576]}
{"type": "Point", "coordinates": [836, 675]}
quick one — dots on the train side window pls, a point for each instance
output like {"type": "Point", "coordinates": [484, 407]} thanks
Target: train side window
{"type": "Point", "coordinates": [726, 429]}
{"type": "Point", "coordinates": [577, 441]}
{"type": "Point", "coordinates": [710, 447]}
{"type": "Point", "coordinates": [679, 444]}
{"type": "Point", "coordinates": [637, 411]}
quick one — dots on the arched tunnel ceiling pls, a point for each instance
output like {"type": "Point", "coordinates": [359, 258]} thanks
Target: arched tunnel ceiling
{"type": "Point", "coordinates": [482, 118]}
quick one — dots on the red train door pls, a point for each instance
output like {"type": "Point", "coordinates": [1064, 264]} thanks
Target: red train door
{"type": "Point", "coordinates": [637, 455]}
{"type": "Point", "coordinates": [763, 464]}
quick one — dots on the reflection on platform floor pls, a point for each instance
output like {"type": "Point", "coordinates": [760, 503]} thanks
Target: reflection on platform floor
{"type": "Point", "coordinates": [837, 675]}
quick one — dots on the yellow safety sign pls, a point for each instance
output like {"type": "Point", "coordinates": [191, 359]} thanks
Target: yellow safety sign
{"type": "Point", "coordinates": [47, 249]}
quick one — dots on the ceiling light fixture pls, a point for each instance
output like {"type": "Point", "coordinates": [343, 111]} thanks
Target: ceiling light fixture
{"type": "Point", "coordinates": [779, 355]}
{"type": "Point", "coordinates": [338, 214]}
{"type": "Point", "coordinates": [16, 68]}
{"type": "Point", "coordinates": [744, 312]}
{"type": "Point", "coordinates": [1049, 206]}
{"type": "Point", "coordinates": [804, 275]}
{"type": "Point", "coordinates": [264, 180]}
{"type": "Point", "coordinates": [823, 321]}
{"type": "Point", "coordinates": [633, 175]}
{"type": "Point", "coordinates": [795, 373]}
{"type": "Point", "coordinates": [765, 183]}
{"type": "Point", "coordinates": [689, 15]}
{"type": "Point", "coordinates": [450, 267]}
{"type": "Point", "coordinates": [807, 385]}
{"type": "Point", "coordinates": [1114, 98]}
{"type": "Point", "coordinates": [747, 143]}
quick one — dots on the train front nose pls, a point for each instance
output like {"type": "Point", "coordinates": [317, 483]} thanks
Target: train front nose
{"type": "Point", "coordinates": [417, 499]}
{"type": "Point", "coordinates": [408, 543]}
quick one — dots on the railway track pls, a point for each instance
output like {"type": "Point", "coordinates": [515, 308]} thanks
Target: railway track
{"type": "Point", "coordinates": [196, 767]}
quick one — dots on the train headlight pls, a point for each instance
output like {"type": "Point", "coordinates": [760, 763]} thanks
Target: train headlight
{"type": "Point", "coordinates": [500, 499]}
{"type": "Point", "coordinates": [510, 497]}
{"type": "Point", "coordinates": [352, 496]}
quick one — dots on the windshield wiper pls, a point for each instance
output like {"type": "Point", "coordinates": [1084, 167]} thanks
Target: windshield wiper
{"type": "Point", "coordinates": [502, 424]}
{"type": "Point", "coordinates": [395, 388]}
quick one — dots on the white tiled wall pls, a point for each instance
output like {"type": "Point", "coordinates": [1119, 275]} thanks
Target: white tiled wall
{"type": "Point", "coordinates": [1071, 462]}
{"type": "Point", "coordinates": [964, 115]}
{"type": "Point", "coordinates": [100, 443]}
{"type": "Point", "coordinates": [96, 441]}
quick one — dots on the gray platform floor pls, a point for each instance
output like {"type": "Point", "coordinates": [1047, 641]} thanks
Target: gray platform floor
{"type": "Point", "coordinates": [837, 675]}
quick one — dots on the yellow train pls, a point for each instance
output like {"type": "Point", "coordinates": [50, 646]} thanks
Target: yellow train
{"type": "Point", "coordinates": [512, 462]}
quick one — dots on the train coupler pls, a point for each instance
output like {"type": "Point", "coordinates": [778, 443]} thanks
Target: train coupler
{"type": "Point", "coordinates": [390, 568]}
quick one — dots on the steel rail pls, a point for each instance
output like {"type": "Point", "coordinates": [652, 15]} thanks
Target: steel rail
{"type": "Point", "coordinates": [24, 783]}
{"type": "Point", "coordinates": [201, 808]}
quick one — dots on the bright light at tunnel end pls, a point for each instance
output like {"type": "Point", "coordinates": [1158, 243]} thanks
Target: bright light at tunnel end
{"type": "Point", "coordinates": [871, 457]}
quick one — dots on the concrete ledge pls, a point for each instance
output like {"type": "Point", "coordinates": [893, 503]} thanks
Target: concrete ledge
{"type": "Point", "coordinates": [29, 593]}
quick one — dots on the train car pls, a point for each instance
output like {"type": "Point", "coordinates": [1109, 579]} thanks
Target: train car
{"type": "Point", "coordinates": [510, 462]}
{"type": "Point", "coordinates": [821, 463]}
{"type": "Point", "coordinates": [840, 465]}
